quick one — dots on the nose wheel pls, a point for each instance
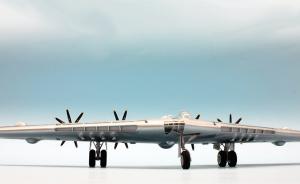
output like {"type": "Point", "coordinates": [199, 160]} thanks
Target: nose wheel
{"type": "Point", "coordinates": [185, 159]}
{"type": "Point", "coordinates": [184, 154]}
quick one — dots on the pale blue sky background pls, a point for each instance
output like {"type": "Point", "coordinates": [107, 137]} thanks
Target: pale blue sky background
{"type": "Point", "coordinates": [152, 58]}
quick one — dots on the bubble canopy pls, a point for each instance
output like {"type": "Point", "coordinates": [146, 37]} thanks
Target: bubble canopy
{"type": "Point", "coordinates": [181, 115]}
{"type": "Point", "coordinates": [184, 115]}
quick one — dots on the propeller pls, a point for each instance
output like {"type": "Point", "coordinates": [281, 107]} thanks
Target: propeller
{"type": "Point", "coordinates": [117, 119]}
{"type": "Point", "coordinates": [70, 121]}
{"type": "Point", "coordinates": [193, 147]}
{"type": "Point", "coordinates": [238, 121]}
{"type": "Point", "coordinates": [230, 120]}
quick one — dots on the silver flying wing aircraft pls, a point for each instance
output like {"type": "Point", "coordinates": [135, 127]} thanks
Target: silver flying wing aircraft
{"type": "Point", "coordinates": [166, 132]}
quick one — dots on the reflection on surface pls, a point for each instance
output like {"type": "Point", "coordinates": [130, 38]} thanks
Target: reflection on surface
{"type": "Point", "coordinates": [159, 167]}
{"type": "Point", "coordinates": [204, 174]}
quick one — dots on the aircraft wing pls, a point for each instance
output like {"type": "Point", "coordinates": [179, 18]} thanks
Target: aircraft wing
{"type": "Point", "coordinates": [151, 131]}
{"type": "Point", "coordinates": [100, 131]}
{"type": "Point", "coordinates": [217, 132]}
{"type": "Point", "coordinates": [166, 132]}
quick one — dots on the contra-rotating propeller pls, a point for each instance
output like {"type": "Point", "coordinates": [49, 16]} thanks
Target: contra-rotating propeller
{"type": "Point", "coordinates": [198, 116]}
{"type": "Point", "coordinates": [70, 121]}
{"type": "Point", "coordinates": [230, 120]}
{"type": "Point", "coordinates": [193, 145]}
{"type": "Point", "coordinates": [117, 119]}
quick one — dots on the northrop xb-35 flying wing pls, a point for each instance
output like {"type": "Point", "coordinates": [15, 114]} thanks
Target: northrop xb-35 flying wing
{"type": "Point", "coordinates": [166, 132]}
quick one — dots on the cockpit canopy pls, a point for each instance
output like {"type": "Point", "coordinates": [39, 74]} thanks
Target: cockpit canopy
{"type": "Point", "coordinates": [184, 115]}
{"type": "Point", "coordinates": [181, 115]}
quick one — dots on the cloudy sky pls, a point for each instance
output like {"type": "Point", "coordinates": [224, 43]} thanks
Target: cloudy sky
{"type": "Point", "coordinates": [152, 57]}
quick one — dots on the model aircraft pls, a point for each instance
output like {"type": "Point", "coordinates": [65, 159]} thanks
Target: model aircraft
{"type": "Point", "coordinates": [166, 132]}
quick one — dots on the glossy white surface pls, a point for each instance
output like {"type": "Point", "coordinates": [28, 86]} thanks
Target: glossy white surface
{"type": "Point", "coordinates": [47, 162]}
{"type": "Point", "coordinates": [253, 173]}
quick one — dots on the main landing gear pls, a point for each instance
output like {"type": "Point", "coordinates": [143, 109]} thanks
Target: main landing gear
{"type": "Point", "coordinates": [227, 156]}
{"type": "Point", "coordinates": [98, 154]}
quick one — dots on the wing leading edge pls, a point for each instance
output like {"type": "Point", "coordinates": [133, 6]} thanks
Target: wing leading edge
{"type": "Point", "coordinates": [165, 132]}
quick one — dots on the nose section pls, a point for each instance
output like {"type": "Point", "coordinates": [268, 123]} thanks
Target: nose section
{"type": "Point", "coordinates": [173, 126]}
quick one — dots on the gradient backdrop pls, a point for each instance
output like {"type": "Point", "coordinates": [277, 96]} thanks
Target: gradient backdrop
{"type": "Point", "coordinates": [152, 57]}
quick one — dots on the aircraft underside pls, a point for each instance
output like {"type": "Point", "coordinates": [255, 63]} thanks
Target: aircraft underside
{"type": "Point", "coordinates": [166, 132]}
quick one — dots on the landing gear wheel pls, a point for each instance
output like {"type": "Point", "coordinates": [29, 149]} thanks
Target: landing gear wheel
{"type": "Point", "coordinates": [103, 160]}
{"type": "Point", "coordinates": [185, 159]}
{"type": "Point", "coordinates": [92, 158]}
{"type": "Point", "coordinates": [232, 159]}
{"type": "Point", "coordinates": [222, 158]}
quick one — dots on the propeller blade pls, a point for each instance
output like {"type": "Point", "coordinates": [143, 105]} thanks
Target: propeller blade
{"type": "Point", "coordinates": [116, 116]}
{"type": "Point", "coordinates": [193, 147]}
{"type": "Point", "coordinates": [76, 145]}
{"type": "Point", "coordinates": [124, 115]}
{"type": "Point", "coordinates": [116, 145]}
{"type": "Point", "coordinates": [198, 116]}
{"type": "Point", "coordinates": [79, 117]}
{"type": "Point", "coordinates": [238, 121]}
{"type": "Point", "coordinates": [230, 118]}
{"type": "Point", "coordinates": [62, 143]}
{"type": "Point", "coordinates": [60, 121]}
{"type": "Point", "coordinates": [219, 120]}
{"type": "Point", "coordinates": [69, 117]}
{"type": "Point", "coordinates": [126, 144]}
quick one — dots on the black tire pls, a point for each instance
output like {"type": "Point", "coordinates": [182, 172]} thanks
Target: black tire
{"type": "Point", "coordinates": [232, 158]}
{"type": "Point", "coordinates": [222, 158]}
{"type": "Point", "coordinates": [185, 159]}
{"type": "Point", "coordinates": [92, 158]}
{"type": "Point", "coordinates": [103, 160]}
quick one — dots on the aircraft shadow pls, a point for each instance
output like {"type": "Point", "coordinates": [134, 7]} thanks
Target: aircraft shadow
{"type": "Point", "coordinates": [159, 167]}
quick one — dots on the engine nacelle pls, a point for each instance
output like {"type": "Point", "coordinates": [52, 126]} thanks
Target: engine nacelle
{"type": "Point", "coordinates": [279, 143]}
{"type": "Point", "coordinates": [32, 140]}
{"type": "Point", "coordinates": [166, 145]}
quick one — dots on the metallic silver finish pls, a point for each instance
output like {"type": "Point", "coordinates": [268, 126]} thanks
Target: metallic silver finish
{"type": "Point", "coordinates": [157, 131]}
{"type": "Point", "coordinates": [165, 132]}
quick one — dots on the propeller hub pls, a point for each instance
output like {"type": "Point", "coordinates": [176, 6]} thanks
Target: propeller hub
{"type": "Point", "coordinates": [230, 120]}
{"type": "Point", "coordinates": [70, 121]}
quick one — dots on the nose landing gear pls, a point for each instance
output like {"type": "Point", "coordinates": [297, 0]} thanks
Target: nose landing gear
{"type": "Point", "coordinates": [185, 159]}
{"type": "Point", "coordinates": [184, 154]}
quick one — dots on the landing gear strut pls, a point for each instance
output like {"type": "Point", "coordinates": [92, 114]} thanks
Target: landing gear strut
{"type": "Point", "coordinates": [227, 155]}
{"type": "Point", "coordinates": [184, 154]}
{"type": "Point", "coordinates": [98, 154]}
